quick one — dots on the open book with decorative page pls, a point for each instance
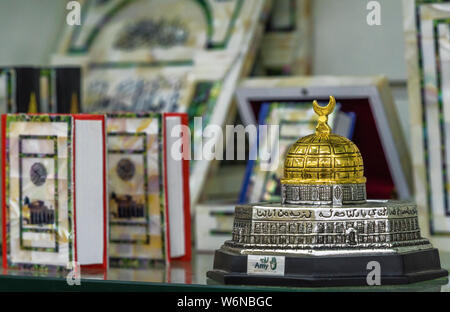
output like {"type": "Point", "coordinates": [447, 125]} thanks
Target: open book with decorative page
{"type": "Point", "coordinates": [148, 183]}
{"type": "Point", "coordinates": [54, 191]}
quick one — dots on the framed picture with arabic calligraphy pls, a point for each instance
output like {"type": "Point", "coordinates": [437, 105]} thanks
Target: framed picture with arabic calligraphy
{"type": "Point", "coordinates": [164, 56]}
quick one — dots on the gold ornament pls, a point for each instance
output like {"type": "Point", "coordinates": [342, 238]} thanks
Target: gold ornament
{"type": "Point", "coordinates": [74, 104]}
{"type": "Point", "coordinates": [32, 107]}
{"type": "Point", "coordinates": [323, 158]}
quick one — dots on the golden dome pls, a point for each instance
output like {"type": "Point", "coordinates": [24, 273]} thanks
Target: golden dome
{"type": "Point", "coordinates": [323, 160]}
{"type": "Point", "coordinates": [323, 167]}
{"type": "Point", "coordinates": [323, 157]}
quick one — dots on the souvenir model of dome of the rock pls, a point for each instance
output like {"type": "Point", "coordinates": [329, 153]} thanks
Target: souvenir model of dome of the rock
{"type": "Point", "coordinates": [325, 232]}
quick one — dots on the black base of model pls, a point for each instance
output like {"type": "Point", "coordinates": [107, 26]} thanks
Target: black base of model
{"type": "Point", "coordinates": [345, 270]}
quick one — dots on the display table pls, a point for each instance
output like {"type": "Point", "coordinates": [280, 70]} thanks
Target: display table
{"type": "Point", "coordinates": [179, 277]}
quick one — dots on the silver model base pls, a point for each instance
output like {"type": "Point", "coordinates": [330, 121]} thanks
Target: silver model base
{"type": "Point", "coordinates": [376, 226]}
{"type": "Point", "coordinates": [336, 194]}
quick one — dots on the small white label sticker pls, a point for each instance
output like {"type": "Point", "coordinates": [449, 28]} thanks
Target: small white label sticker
{"type": "Point", "coordinates": [265, 265]}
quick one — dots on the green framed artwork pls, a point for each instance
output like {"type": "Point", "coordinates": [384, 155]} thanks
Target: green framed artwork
{"type": "Point", "coordinates": [136, 192]}
{"type": "Point", "coordinates": [427, 36]}
{"type": "Point", "coordinates": [39, 191]}
{"type": "Point", "coordinates": [46, 222]}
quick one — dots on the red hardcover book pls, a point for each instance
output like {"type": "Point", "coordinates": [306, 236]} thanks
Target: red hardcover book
{"type": "Point", "coordinates": [54, 187]}
{"type": "Point", "coordinates": [177, 186]}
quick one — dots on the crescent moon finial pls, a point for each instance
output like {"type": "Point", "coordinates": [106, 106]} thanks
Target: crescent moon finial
{"type": "Point", "coordinates": [325, 110]}
{"type": "Point", "coordinates": [322, 128]}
